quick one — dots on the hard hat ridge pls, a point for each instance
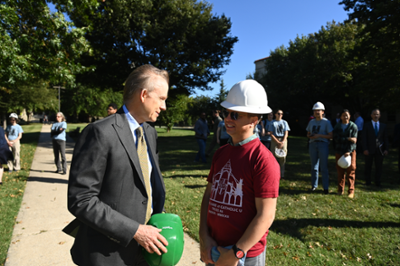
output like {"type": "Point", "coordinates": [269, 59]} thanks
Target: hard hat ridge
{"type": "Point", "coordinates": [247, 96]}
{"type": "Point", "coordinates": [318, 106]}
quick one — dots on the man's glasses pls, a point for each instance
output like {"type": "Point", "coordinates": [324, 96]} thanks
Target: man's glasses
{"type": "Point", "coordinates": [234, 115]}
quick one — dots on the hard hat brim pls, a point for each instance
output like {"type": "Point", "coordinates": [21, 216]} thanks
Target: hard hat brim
{"type": "Point", "coordinates": [247, 109]}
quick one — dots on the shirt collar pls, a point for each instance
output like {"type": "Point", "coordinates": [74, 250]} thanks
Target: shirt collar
{"type": "Point", "coordinates": [133, 124]}
{"type": "Point", "coordinates": [254, 136]}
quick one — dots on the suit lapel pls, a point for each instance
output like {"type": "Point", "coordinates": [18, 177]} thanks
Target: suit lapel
{"type": "Point", "coordinates": [124, 133]}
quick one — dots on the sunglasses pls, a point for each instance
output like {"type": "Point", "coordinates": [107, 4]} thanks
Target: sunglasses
{"type": "Point", "coordinates": [234, 115]}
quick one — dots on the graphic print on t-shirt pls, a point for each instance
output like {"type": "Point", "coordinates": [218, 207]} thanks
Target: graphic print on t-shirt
{"type": "Point", "coordinates": [315, 129]}
{"type": "Point", "coordinates": [280, 129]}
{"type": "Point", "coordinates": [226, 189]}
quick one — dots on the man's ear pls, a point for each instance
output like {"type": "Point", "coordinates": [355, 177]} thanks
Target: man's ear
{"type": "Point", "coordinates": [143, 94]}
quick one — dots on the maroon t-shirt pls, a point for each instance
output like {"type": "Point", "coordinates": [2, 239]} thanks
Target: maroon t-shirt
{"type": "Point", "coordinates": [239, 174]}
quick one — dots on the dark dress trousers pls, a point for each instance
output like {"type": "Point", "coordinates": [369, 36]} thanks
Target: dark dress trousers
{"type": "Point", "coordinates": [107, 194]}
{"type": "Point", "coordinates": [371, 142]}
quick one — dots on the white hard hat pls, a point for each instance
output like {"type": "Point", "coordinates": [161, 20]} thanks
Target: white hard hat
{"type": "Point", "coordinates": [247, 96]}
{"type": "Point", "coordinates": [13, 115]}
{"type": "Point", "coordinates": [344, 162]}
{"type": "Point", "coordinates": [318, 106]}
{"type": "Point", "coordinates": [280, 153]}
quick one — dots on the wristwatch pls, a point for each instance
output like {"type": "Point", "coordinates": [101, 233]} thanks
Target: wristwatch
{"type": "Point", "coordinates": [239, 253]}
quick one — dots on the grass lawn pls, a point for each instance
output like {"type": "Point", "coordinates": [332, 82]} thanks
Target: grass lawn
{"type": "Point", "coordinates": [309, 228]}
{"type": "Point", "coordinates": [13, 187]}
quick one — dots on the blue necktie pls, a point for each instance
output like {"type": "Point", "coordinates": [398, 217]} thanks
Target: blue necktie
{"type": "Point", "coordinates": [376, 129]}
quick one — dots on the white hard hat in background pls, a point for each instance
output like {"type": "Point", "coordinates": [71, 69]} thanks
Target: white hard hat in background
{"type": "Point", "coordinates": [247, 96]}
{"type": "Point", "coordinates": [13, 115]}
{"type": "Point", "coordinates": [280, 153]}
{"type": "Point", "coordinates": [344, 162]}
{"type": "Point", "coordinates": [318, 106]}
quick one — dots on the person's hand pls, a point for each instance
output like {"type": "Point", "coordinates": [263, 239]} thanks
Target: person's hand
{"type": "Point", "coordinates": [385, 153]}
{"type": "Point", "coordinates": [218, 141]}
{"type": "Point", "coordinates": [226, 258]}
{"type": "Point", "coordinates": [206, 244]}
{"type": "Point", "coordinates": [366, 153]}
{"type": "Point", "coordinates": [61, 129]}
{"type": "Point", "coordinates": [150, 238]}
{"type": "Point", "coordinates": [347, 154]}
{"type": "Point", "coordinates": [10, 143]}
{"type": "Point", "coordinates": [280, 145]}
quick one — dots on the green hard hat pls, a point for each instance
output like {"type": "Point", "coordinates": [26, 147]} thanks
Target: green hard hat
{"type": "Point", "coordinates": [172, 230]}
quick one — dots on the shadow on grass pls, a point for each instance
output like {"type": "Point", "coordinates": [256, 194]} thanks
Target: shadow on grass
{"type": "Point", "coordinates": [195, 186]}
{"type": "Point", "coordinates": [47, 180]}
{"type": "Point", "coordinates": [184, 176]}
{"type": "Point", "coordinates": [294, 227]}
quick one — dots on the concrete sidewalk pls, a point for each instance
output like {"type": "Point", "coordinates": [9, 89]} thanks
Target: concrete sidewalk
{"type": "Point", "coordinates": [37, 238]}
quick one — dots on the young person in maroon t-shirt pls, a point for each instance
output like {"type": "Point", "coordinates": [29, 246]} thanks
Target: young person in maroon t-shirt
{"type": "Point", "coordinates": [239, 203]}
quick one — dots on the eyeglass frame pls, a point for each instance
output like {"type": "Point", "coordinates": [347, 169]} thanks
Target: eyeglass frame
{"type": "Point", "coordinates": [234, 115]}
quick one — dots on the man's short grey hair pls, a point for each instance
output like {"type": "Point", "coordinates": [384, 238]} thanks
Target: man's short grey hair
{"type": "Point", "coordinates": [142, 77]}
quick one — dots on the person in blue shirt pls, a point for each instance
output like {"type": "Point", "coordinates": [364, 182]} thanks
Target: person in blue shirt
{"type": "Point", "coordinates": [59, 138]}
{"type": "Point", "coordinates": [265, 134]}
{"type": "Point", "coordinates": [279, 131]}
{"type": "Point", "coordinates": [13, 135]}
{"type": "Point", "coordinates": [201, 133]}
{"type": "Point", "coordinates": [222, 136]}
{"type": "Point", "coordinates": [319, 131]}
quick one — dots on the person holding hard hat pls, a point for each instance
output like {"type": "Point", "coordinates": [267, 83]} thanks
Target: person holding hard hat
{"type": "Point", "coordinates": [239, 203]}
{"type": "Point", "coordinates": [345, 136]}
{"type": "Point", "coordinates": [279, 131]}
{"type": "Point", "coordinates": [13, 135]}
{"type": "Point", "coordinates": [319, 131]}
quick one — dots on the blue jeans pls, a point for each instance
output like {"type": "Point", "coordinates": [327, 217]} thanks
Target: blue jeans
{"type": "Point", "coordinates": [319, 151]}
{"type": "Point", "coordinates": [202, 150]}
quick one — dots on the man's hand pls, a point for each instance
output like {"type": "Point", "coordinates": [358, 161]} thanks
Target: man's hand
{"type": "Point", "coordinates": [279, 145]}
{"type": "Point", "coordinates": [206, 244]}
{"type": "Point", "coordinates": [227, 257]}
{"type": "Point", "coordinates": [10, 143]}
{"type": "Point", "coordinates": [149, 237]}
{"type": "Point", "coordinates": [385, 153]}
{"type": "Point", "coordinates": [366, 153]}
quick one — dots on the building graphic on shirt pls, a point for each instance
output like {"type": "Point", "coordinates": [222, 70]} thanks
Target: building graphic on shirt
{"type": "Point", "coordinates": [226, 189]}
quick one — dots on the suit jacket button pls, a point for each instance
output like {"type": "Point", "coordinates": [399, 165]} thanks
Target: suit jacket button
{"type": "Point", "coordinates": [144, 202]}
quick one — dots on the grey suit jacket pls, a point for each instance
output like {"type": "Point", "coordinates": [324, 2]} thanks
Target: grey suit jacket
{"type": "Point", "coordinates": [106, 192]}
{"type": "Point", "coordinates": [369, 138]}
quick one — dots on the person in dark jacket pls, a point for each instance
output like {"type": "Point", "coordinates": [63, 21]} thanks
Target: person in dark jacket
{"type": "Point", "coordinates": [345, 136]}
{"type": "Point", "coordinates": [375, 145]}
{"type": "Point", "coordinates": [5, 153]}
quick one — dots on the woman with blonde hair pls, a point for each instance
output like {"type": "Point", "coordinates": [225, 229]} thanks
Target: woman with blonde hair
{"type": "Point", "coordinates": [59, 138]}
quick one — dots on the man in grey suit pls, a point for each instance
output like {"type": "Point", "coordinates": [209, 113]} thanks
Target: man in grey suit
{"type": "Point", "coordinates": [109, 182]}
{"type": "Point", "coordinates": [375, 144]}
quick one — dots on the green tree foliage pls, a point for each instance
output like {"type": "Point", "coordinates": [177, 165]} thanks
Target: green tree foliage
{"type": "Point", "coordinates": [181, 36]}
{"type": "Point", "coordinates": [317, 67]}
{"type": "Point", "coordinates": [223, 93]}
{"type": "Point", "coordinates": [380, 46]}
{"type": "Point", "coordinates": [36, 45]}
{"type": "Point", "coordinates": [176, 112]}
{"type": "Point", "coordinates": [89, 101]}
